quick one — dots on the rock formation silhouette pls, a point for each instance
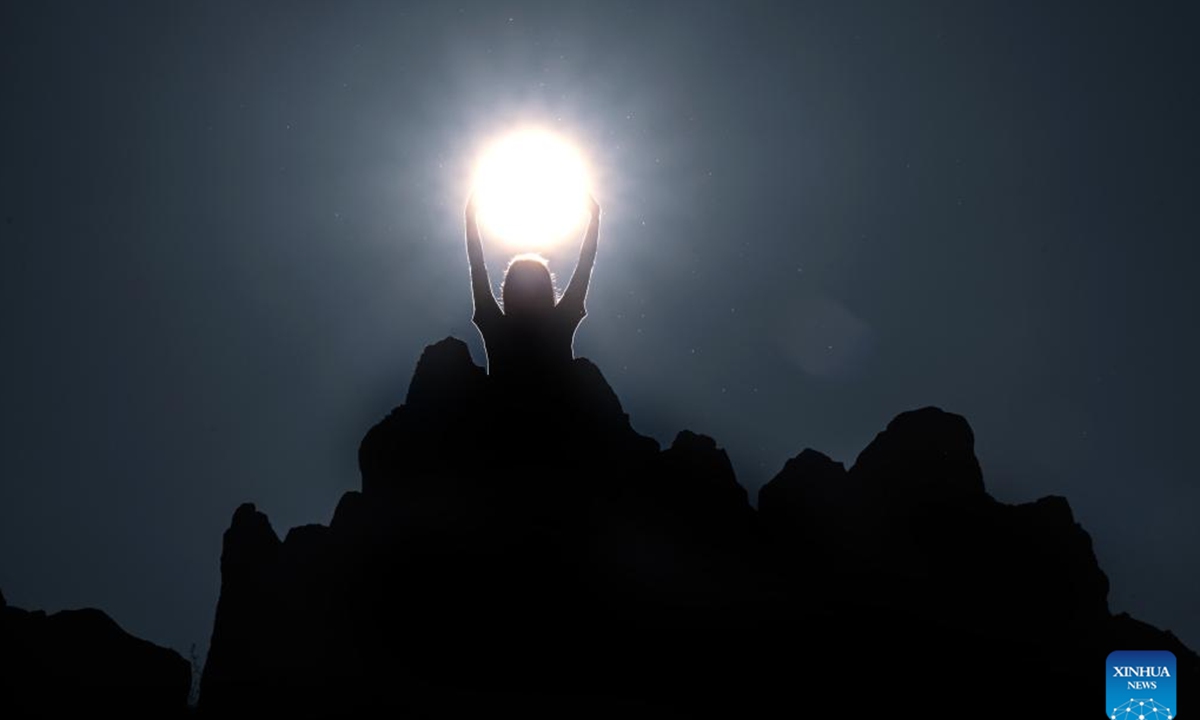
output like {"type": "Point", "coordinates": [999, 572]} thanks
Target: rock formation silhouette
{"type": "Point", "coordinates": [79, 663]}
{"type": "Point", "coordinates": [520, 547]}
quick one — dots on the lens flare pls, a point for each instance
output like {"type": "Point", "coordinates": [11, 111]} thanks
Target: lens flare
{"type": "Point", "coordinates": [531, 190]}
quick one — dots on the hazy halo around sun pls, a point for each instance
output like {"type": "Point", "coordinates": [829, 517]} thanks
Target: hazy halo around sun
{"type": "Point", "coordinates": [530, 190]}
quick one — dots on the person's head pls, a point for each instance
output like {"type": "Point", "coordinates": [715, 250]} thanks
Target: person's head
{"type": "Point", "coordinates": [528, 286]}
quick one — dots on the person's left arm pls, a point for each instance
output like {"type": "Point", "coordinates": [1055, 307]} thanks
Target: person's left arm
{"type": "Point", "coordinates": [573, 298]}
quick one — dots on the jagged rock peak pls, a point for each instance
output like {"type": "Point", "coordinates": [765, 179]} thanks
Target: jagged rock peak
{"type": "Point", "coordinates": [444, 373]}
{"type": "Point", "coordinates": [808, 479]}
{"type": "Point", "coordinates": [923, 454]}
{"type": "Point", "coordinates": [697, 457]}
{"type": "Point", "coordinates": [249, 523]}
{"type": "Point", "coordinates": [249, 542]}
{"type": "Point", "coordinates": [810, 466]}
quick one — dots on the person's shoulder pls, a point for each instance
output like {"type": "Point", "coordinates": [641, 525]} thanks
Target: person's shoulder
{"type": "Point", "coordinates": [487, 319]}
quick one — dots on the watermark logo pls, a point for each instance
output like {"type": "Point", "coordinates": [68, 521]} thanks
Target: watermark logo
{"type": "Point", "coordinates": [1141, 685]}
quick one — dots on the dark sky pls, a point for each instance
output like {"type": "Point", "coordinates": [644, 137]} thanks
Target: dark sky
{"type": "Point", "coordinates": [228, 232]}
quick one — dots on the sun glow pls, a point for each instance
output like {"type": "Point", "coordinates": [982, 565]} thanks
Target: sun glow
{"type": "Point", "coordinates": [530, 189]}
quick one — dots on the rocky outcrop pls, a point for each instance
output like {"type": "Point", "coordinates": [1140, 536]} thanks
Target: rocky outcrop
{"type": "Point", "coordinates": [520, 546]}
{"type": "Point", "coordinates": [911, 522]}
{"type": "Point", "coordinates": [79, 663]}
{"type": "Point", "coordinates": [242, 645]}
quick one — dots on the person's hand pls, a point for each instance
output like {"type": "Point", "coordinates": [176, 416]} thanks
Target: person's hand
{"type": "Point", "coordinates": [593, 206]}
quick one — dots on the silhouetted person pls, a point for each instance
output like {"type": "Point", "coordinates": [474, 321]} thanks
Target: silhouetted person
{"type": "Point", "coordinates": [532, 336]}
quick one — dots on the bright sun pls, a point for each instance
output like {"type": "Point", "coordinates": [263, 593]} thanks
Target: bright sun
{"type": "Point", "coordinates": [531, 190]}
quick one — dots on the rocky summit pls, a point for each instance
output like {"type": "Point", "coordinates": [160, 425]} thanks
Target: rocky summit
{"type": "Point", "coordinates": [519, 547]}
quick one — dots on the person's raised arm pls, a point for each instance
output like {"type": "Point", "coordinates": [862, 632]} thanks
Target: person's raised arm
{"type": "Point", "coordinates": [481, 289]}
{"type": "Point", "coordinates": [573, 298]}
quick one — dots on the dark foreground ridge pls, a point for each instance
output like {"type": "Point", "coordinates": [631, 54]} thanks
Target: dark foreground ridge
{"type": "Point", "coordinates": [79, 663]}
{"type": "Point", "coordinates": [521, 548]}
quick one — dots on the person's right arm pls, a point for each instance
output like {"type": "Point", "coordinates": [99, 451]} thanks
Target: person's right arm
{"type": "Point", "coordinates": [486, 307]}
